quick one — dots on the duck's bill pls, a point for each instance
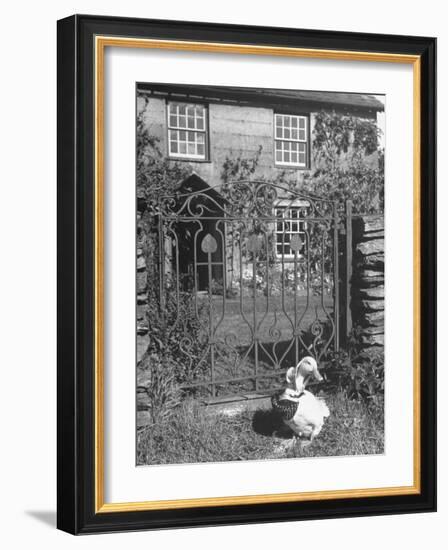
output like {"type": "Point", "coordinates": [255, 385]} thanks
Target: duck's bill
{"type": "Point", "coordinates": [317, 375]}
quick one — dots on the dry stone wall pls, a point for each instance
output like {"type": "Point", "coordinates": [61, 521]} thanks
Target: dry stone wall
{"type": "Point", "coordinates": [367, 299]}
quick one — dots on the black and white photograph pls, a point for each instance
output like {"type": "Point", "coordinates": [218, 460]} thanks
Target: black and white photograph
{"type": "Point", "coordinates": [259, 273]}
{"type": "Point", "coordinates": [219, 287]}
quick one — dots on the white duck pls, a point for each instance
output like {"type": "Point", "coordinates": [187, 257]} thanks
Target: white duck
{"type": "Point", "coordinates": [299, 409]}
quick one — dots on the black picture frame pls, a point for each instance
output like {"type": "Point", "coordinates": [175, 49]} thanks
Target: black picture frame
{"type": "Point", "coordinates": [76, 257]}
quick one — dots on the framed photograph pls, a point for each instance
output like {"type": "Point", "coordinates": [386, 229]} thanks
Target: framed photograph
{"type": "Point", "coordinates": [246, 274]}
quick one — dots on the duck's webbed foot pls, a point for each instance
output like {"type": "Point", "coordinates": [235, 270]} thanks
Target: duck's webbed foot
{"type": "Point", "coordinates": [304, 443]}
{"type": "Point", "coordinates": [287, 445]}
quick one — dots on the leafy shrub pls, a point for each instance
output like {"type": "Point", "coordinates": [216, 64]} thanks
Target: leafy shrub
{"type": "Point", "coordinates": [360, 373]}
{"type": "Point", "coordinates": [176, 334]}
{"type": "Point", "coordinates": [176, 349]}
{"type": "Point", "coordinates": [360, 183]}
{"type": "Point", "coordinates": [349, 163]}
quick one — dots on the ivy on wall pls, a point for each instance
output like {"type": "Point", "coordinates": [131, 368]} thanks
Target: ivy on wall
{"type": "Point", "coordinates": [156, 175]}
{"type": "Point", "coordinates": [348, 162]}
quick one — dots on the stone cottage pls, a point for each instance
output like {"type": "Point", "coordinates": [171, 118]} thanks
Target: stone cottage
{"type": "Point", "coordinates": [268, 243]}
{"type": "Point", "coordinates": [205, 126]}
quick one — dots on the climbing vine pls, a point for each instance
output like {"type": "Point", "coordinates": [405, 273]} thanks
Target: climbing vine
{"type": "Point", "coordinates": [348, 162]}
{"type": "Point", "coordinates": [156, 174]}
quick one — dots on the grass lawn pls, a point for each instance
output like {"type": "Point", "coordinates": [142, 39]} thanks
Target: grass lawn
{"type": "Point", "coordinates": [193, 436]}
{"type": "Point", "coordinates": [269, 312]}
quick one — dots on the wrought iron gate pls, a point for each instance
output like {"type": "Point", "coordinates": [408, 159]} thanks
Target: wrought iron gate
{"type": "Point", "coordinates": [248, 283]}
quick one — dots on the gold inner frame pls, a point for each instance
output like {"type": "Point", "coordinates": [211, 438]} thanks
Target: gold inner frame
{"type": "Point", "coordinates": [101, 42]}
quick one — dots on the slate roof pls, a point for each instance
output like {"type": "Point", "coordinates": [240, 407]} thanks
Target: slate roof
{"type": "Point", "coordinates": [265, 97]}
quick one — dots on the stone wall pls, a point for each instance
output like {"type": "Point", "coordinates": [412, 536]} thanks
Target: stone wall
{"type": "Point", "coordinates": [367, 284]}
{"type": "Point", "coordinates": [141, 289]}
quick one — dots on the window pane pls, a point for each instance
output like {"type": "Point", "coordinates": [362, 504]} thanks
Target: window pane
{"type": "Point", "coordinates": [302, 122]}
{"type": "Point", "coordinates": [286, 156]}
{"type": "Point", "coordinates": [294, 122]}
{"type": "Point", "coordinates": [285, 230]}
{"type": "Point", "coordinates": [302, 135]}
{"type": "Point", "coordinates": [286, 133]}
{"type": "Point", "coordinates": [184, 122]}
{"type": "Point", "coordinates": [293, 134]}
{"type": "Point", "coordinates": [287, 121]}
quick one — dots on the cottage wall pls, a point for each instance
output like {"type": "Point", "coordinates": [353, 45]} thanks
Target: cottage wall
{"type": "Point", "coordinates": [234, 131]}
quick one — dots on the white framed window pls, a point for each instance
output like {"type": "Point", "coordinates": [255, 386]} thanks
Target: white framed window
{"type": "Point", "coordinates": [187, 131]}
{"type": "Point", "coordinates": [291, 140]}
{"type": "Point", "coordinates": [290, 236]}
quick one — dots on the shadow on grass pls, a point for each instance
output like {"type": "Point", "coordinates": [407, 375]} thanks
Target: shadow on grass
{"type": "Point", "coordinates": [268, 423]}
